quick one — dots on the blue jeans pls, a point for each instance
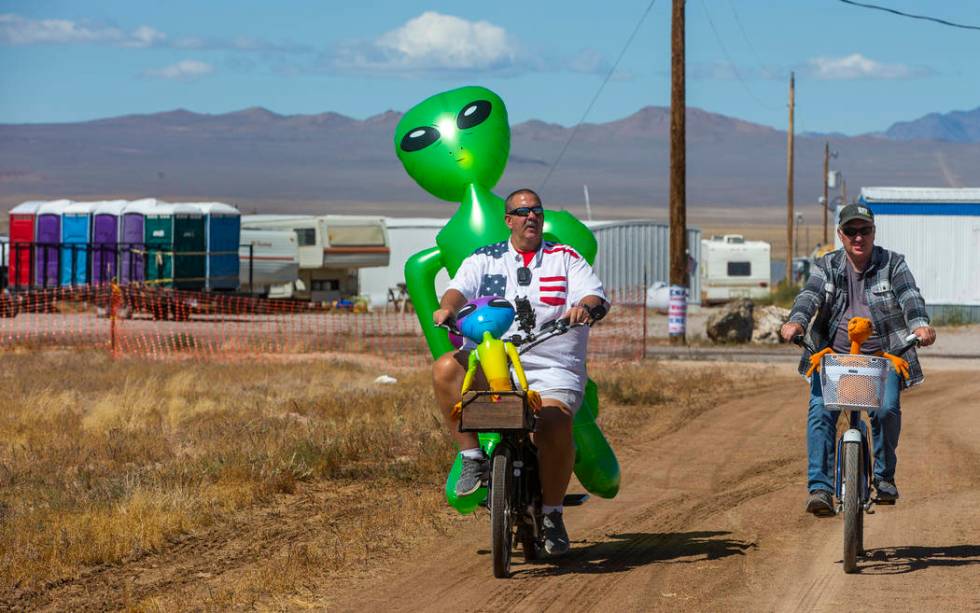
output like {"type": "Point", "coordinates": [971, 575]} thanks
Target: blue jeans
{"type": "Point", "coordinates": [821, 430]}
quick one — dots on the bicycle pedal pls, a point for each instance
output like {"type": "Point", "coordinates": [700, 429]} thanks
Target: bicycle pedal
{"type": "Point", "coordinates": [574, 500]}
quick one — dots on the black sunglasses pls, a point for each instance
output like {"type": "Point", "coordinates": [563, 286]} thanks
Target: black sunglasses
{"type": "Point", "coordinates": [863, 231]}
{"type": "Point", "coordinates": [524, 211]}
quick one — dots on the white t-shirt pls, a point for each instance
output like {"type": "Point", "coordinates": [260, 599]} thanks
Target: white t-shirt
{"type": "Point", "coordinates": [560, 278]}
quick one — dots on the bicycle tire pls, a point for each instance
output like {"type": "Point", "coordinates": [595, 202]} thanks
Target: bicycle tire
{"type": "Point", "coordinates": [501, 522]}
{"type": "Point", "coordinates": [852, 505]}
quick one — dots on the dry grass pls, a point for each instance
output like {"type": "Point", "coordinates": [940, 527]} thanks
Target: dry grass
{"type": "Point", "coordinates": [107, 462]}
{"type": "Point", "coordinates": [101, 461]}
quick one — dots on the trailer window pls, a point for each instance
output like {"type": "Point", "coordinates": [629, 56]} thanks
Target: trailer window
{"type": "Point", "coordinates": [740, 269]}
{"type": "Point", "coordinates": [306, 236]}
{"type": "Point", "coordinates": [356, 236]}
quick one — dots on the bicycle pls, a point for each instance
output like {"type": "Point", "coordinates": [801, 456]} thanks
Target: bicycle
{"type": "Point", "coordinates": [514, 486]}
{"type": "Point", "coordinates": [854, 383]}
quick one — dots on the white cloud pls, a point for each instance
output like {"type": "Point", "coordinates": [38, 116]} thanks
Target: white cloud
{"type": "Point", "coordinates": [433, 42]}
{"type": "Point", "coordinates": [17, 30]}
{"type": "Point", "coordinates": [184, 70]}
{"type": "Point", "coordinates": [857, 66]}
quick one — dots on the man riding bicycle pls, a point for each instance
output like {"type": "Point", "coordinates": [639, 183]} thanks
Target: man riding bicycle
{"type": "Point", "coordinates": [861, 280]}
{"type": "Point", "coordinates": [545, 281]}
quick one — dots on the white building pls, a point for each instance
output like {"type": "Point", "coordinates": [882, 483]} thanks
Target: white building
{"type": "Point", "coordinates": [938, 232]}
{"type": "Point", "coordinates": [628, 252]}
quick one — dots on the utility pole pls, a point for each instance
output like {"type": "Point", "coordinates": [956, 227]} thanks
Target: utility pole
{"type": "Point", "coordinates": [826, 179]}
{"type": "Point", "coordinates": [677, 311]}
{"type": "Point", "coordinates": [789, 182]}
{"type": "Point", "coordinates": [843, 186]}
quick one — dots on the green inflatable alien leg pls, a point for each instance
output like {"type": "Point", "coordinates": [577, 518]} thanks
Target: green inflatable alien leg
{"type": "Point", "coordinates": [420, 281]}
{"type": "Point", "coordinates": [596, 465]}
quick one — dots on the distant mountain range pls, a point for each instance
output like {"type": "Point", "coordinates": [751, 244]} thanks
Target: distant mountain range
{"type": "Point", "coordinates": [328, 162]}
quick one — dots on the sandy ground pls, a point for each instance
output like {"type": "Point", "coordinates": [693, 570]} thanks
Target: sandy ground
{"type": "Point", "coordinates": [711, 518]}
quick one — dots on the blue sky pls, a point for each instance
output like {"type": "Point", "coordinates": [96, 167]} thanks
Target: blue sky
{"type": "Point", "coordinates": [857, 70]}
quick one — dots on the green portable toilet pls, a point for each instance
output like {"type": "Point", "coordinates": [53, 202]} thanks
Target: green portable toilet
{"type": "Point", "coordinates": [158, 239]}
{"type": "Point", "coordinates": [190, 247]}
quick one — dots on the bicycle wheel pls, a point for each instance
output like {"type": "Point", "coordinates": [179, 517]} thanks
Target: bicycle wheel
{"type": "Point", "coordinates": [501, 522]}
{"type": "Point", "coordinates": [852, 505]}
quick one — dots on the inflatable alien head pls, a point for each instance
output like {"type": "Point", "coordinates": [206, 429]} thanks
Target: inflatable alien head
{"type": "Point", "coordinates": [486, 314]}
{"type": "Point", "coordinates": [454, 139]}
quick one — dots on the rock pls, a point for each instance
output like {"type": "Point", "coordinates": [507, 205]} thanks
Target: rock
{"type": "Point", "coordinates": [732, 324]}
{"type": "Point", "coordinates": [386, 380]}
{"type": "Point", "coordinates": [768, 321]}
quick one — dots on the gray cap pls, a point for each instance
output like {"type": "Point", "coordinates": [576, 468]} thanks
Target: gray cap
{"type": "Point", "coordinates": [855, 211]}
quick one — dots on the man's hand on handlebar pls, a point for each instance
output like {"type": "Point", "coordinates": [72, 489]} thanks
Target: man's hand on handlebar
{"type": "Point", "coordinates": [926, 334]}
{"type": "Point", "coordinates": [789, 330]}
{"type": "Point", "coordinates": [442, 316]}
{"type": "Point", "coordinates": [578, 314]}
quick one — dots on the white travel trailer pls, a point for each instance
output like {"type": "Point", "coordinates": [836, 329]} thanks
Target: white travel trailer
{"type": "Point", "coordinates": [268, 262]}
{"type": "Point", "coordinates": [732, 267]}
{"type": "Point", "coordinates": [332, 248]}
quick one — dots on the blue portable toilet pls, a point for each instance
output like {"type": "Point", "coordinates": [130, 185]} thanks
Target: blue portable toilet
{"type": "Point", "coordinates": [223, 229]}
{"type": "Point", "coordinates": [76, 229]}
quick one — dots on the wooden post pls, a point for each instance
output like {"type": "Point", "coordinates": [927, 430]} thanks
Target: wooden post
{"type": "Point", "coordinates": [789, 184]}
{"type": "Point", "coordinates": [678, 176]}
{"type": "Point", "coordinates": [826, 173]}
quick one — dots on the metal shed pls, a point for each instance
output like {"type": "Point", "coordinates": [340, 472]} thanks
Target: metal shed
{"type": "Point", "coordinates": [631, 248]}
{"type": "Point", "coordinates": [938, 232]}
{"type": "Point", "coordinates": [624, 247]}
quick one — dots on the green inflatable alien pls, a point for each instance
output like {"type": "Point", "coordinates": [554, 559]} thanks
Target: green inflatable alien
{"type": "Point", "coordinates": [455, 145]}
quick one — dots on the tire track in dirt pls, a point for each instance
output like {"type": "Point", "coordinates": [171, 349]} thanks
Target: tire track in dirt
{"type": "Point", "coordinates": [710, 516]}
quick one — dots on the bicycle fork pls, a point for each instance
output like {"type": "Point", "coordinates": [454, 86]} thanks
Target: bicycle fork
{"type": "Point", "coordinates": [857, 434]}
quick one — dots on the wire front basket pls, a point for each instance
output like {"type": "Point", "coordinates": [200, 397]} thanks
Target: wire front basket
{"type": "Point", "coordinates": [853, 382]}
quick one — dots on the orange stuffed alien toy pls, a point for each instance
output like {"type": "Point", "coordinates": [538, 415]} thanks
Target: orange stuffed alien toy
{"type": "Point", "coordinates": [859, 330]}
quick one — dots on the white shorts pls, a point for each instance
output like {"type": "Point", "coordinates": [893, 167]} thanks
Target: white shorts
{"type": "Point", "coordinates": [570, 398]}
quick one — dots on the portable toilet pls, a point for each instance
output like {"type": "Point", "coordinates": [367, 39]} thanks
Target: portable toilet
{"type": "Point", "coordinates": [223, 229]}
{"type": "Point", "coordinates": [47, 242]}
{"type": "Point", "coordinates": [22, 222]}
{"type": "Point", "coordinates": [76, 232]}
{"type": "Point", "coordinates": [190, 247]}
{"type": "Point", "coordinates": [132, 243]}
{"type": "Point", "coordinates": [106, 223]}
{"type": "Point", "coordinates": [175, 246]}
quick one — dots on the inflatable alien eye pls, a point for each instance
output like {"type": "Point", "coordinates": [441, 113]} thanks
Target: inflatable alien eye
{"type": "Point", "coordinates": [500, 303]}
{"type": "Point", "coordinates": [466, 310]}
{"type": "Point", "coordinates": [419, 138]}
{"type": "Point", "coordinates": [473, 114]}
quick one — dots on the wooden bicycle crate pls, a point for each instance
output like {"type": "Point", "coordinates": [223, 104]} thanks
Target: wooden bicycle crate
{"type": "Point", "coordinates": [482, 414]}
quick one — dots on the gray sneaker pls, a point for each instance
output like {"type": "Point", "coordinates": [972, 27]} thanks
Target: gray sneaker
{"type": "Point", "coordinates": [886, 490]}
{"type": "Point", "coordinates": [820, 503]}
{"type": "Point", "coordinates": [555, 536]}
{"type": "Point", "coordinates": [474, 474]}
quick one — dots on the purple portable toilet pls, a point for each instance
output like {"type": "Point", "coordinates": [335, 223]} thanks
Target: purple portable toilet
{"type": "Point", "coordinates": [132, 243]}
{"type": "Point", "coordinates": [106, 221]}
{"type": "Point", "coordinates": [47, 242]}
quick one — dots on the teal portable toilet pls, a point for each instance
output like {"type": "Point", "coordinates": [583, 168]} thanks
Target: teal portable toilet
{"type": "Point", "coordinates": [76, 233]}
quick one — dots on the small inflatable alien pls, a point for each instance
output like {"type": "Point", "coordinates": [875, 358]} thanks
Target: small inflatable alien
{"type": "Point", "coordinates": [455, 145]}
{"type": "Point", "coordinates": [484, 321]}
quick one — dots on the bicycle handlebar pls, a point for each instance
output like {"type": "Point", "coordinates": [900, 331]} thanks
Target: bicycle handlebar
{"type": "Point", "coordinates": [910, 341]}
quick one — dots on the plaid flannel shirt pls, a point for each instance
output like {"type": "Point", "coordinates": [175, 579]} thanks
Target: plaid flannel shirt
{"type": "Point", "coordinates": [894, 300]}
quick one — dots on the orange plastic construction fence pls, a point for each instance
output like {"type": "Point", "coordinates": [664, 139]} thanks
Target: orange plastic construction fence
{"type": "Point", "coordinates": [161, 323]}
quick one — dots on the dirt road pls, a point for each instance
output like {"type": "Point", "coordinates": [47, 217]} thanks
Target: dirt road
{"type": "Point", "coordinates": [710, 518]}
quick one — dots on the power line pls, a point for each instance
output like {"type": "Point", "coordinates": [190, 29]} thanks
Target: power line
{"type": "Point", "coordinates": [602, 85]}
{"type": "Point", "coordinates": [910, 15]}
{"type": "Point", "coordinates": [745, 36]}
{"type": "Point", "coordinates": [731, 62]}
